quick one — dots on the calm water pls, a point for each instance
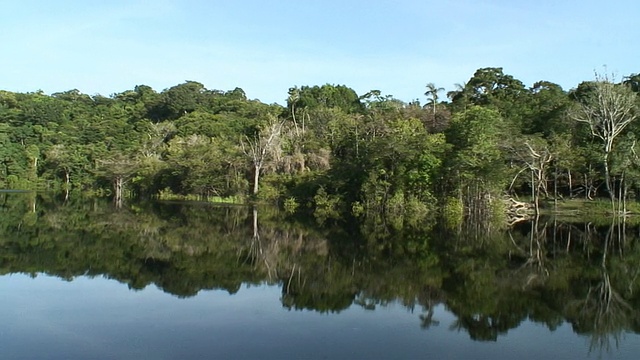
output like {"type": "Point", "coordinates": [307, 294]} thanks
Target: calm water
{"type": "Point", "coordinates": [83, 280]}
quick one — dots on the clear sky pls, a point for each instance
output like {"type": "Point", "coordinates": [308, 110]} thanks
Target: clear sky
{"type": "Point", "coordinates": [268, 46]}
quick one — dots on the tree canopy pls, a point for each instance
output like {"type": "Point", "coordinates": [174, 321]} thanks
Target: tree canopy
{"type": "Point", "coordinates": [368, 152]}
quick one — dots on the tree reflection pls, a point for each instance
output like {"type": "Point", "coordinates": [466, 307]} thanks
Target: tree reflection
{"type": "Point", "coordinates": [536, 262]}
{"type": "Point", "coordinates": [603, 313]}
{"type": "Point", "coordinates": [548, 271]}
{"type": "Point", "coordinates": [429, 299]}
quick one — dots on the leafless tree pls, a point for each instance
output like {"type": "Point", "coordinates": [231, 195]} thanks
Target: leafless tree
{"type": "Point", "coordinates": [262, 147]}
{"type": "Point", "coordinates": [607, 110]}
{"type": "Point", "coordinates": [535, 154]}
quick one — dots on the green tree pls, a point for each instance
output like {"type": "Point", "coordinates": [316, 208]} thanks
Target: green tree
{"type": "Point", "coordinates": [548, 115]}
{"type": "Point", "coordinates": [66, 159]}
{"type": "Point", "coordinates": [491, 87]}
{"type": "Point", "coordinates": [329, 96]}
{"type": "Point", "coordinates": [633, 82]}
{"type": "Point", "coordinates": [182, 99]}
{"type": "Point", "coordinates": [476, 163]}
{"type": "Point", "coordinates": [119, 168]}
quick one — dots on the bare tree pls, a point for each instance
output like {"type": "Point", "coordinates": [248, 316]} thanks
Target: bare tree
{"type": "Point", "coordinates": [261, 147]}
{"type": "Point", "coordinates": [534, 153]}
{"type": "Point", "coordinates": [607, 111]}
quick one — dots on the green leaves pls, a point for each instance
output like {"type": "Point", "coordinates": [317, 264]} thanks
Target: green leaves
{"type": "Point", "coordinates": [372, 150]}
{"type": "Point", "coordinates": [476, 135]}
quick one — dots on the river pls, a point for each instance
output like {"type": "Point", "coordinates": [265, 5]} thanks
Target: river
{"type": "Point", "coordinates": [83, 279]}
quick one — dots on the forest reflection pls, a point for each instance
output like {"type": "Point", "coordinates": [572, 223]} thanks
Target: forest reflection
{"type": "Point", "coordinates": [549, 271]}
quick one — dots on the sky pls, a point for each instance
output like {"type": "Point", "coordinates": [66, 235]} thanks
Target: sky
{"type": "Point", "coordinates": [266, 47]}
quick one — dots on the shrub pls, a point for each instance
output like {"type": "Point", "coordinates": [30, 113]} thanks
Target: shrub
{"type": "Point", "coordinates": [291, 205]}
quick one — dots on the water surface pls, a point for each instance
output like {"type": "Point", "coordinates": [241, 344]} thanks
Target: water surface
{"type": "Point", "coordinates": [85, 280]}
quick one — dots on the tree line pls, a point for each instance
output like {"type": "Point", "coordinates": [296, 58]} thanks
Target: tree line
{"type": "Point", "coordinates": [330, 149]}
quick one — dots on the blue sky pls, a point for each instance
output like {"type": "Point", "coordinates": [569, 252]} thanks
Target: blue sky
{"type": "Point", "coordinates": [266, 47]}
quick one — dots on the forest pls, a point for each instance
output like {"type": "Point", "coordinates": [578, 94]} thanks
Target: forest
{"type": "Point", "coordinates": [333, 151]}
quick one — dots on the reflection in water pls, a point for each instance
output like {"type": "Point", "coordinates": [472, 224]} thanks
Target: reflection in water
{"type": "Point", "coordinates": [547, 271]}
{"type": "Point", "coordinates": [604, 313]}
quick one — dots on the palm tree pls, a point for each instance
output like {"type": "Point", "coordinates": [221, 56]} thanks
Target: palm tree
{"type": "Point", "coordinates": [294, 97]}
{"type": "Point", "coordinates": [432, 94]}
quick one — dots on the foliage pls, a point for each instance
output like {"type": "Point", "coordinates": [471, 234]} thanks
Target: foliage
{"type": "Point", "coordinates": [291, 205]}
{"type": "Point", "coordinates": [377, 153]}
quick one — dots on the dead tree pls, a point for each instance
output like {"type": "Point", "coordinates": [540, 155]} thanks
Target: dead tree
{"type": "Point", "coordinates": [535, 155]}
{"type": "Point", "coordinates": [262, 147]}
{"type": "Point", "coordinates": [608, 109]}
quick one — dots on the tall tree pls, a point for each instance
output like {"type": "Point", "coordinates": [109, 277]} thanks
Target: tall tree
{"type": "Point", "coordinates": [292, 100]}
{"type": "Point", "coordinates": [549, 104]}
{"type": "Point", "coordinates": [262, 147]}
{"type": "Point", "coordinates": [491, 87]}
{"type": "Point", "coordinates": [477, 163]}
{"type": "Point", "coordinates": [607, 110]}
{"type": "Point", "coordinates": [182, 99]}
{"type": "Point", "coordinates": [432, 95]}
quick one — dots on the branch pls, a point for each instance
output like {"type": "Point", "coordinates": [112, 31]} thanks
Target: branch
{"type": "Point", "coordinates": [516, 177]}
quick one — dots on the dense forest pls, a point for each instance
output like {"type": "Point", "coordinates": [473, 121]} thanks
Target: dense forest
{"type": "Point", "coordinates": [330, 149]}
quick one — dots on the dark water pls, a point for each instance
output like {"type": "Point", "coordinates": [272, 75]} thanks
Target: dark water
{"type": "Point", "coordinates": [83, 280]}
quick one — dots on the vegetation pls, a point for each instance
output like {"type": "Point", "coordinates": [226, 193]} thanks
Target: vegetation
{"type": "Point", "coordinates": [330, 150]}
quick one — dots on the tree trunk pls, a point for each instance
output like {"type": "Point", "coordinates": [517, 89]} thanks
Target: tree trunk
{"type": "Point", "coordinates": [256, 234]}
{"type": "Point", "coordinates": [293, 115]}
{"type": "Point", "coordinates": [619, 200]}
{"type": "Point", "coordinates": [533, 187]}
{"type": "Point", "coordinates": [303, 125]}
{"type": "Point", "coordinates": [35, 168]}
{"type": "Point", "coordinates": [256, 179]}
{"type": "Point", "coordinates": [118, 184]}
{"type": "Point", "coordinates": [540, 186]}
{"type": "Point", "coordinates": [624, 199]}
{"type": "Point", "coordinates": [555, 188]}
{"type": "Point", "coordinates": [587, 186]}
{"type": "Point", "coordinates": [607, 177]}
